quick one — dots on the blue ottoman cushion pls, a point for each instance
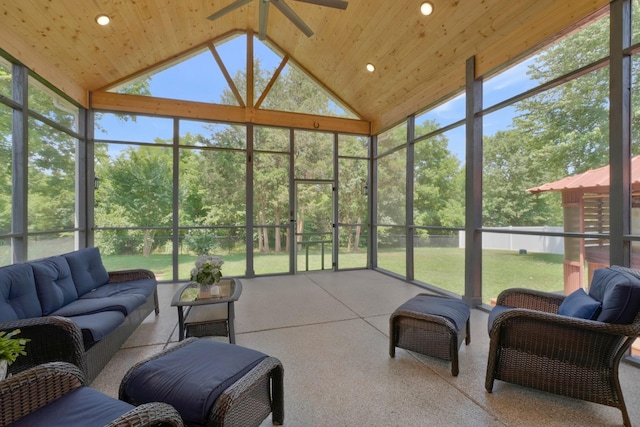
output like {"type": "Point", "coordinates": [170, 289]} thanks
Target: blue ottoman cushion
{"type": "Point", "coordinates": [455, 310]}
{"type": "Point", "coordinates": [192, 377]}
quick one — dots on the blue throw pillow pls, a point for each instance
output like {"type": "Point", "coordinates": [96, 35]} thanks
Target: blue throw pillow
{"type": "Point", "coordinates": [579, 304]}
{"type": "Point", "coordinates": [619, 293]}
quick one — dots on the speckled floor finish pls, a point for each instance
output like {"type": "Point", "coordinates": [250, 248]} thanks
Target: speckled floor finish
{"type": "Point", "coordinates": [330, 330]}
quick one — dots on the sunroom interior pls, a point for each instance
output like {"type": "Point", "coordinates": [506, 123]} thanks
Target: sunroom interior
{"type": "Point", "coordinates": [387, 141]}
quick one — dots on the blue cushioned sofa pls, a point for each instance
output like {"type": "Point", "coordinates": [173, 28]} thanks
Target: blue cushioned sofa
{"type": "Point", "coordinates": [72, 309]}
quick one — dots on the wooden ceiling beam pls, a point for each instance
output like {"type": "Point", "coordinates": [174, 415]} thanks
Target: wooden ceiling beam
{"type": "Point", "coordinates": [224, 113]}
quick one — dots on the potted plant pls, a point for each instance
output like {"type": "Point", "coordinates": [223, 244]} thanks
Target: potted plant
{"type": "Point", "coordinates": [208, 272]}
{"type": "Point", "coordinates": [10, 349]}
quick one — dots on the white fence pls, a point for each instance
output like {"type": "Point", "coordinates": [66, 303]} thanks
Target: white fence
{"type": "Point", "coordinates": [517, 242]}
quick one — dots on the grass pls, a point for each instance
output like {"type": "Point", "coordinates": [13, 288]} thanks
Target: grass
{"type": "Point", "coordinates": [442, 267]}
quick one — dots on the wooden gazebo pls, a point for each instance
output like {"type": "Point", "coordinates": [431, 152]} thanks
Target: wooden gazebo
{"type": "Point", "coordinates": [585, 201]}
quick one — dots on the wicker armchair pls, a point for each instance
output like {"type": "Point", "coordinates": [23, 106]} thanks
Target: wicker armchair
{"type": "Point", "coordinates": [534, 347]}
{"type": "Point", "coordinates": [35, 390]}
{"type": "Point", "coordinates": [52, 339]}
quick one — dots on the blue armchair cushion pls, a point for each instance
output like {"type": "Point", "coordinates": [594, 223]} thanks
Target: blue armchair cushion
{"type": "Point", "coordinates": [87, 270]}
{"type": "Point", "coordinates": [192, 377]}
{"type": "Point", "coordinates": [54, 283]}
{"type": "Point", "coordinates": [619, 293]}
{"type": "Point", "coordinates": [125, 304]}
{"type": "Point", "coordinates": [579, 304]}
{"type": "Point", "coordinates": [96, 326]}
{"type": "Point", "coordinates": [498, 309]}
{"type": "Point", "coordinates": [18, 295]}
{"type": "Point", "coordinates": [83, 406]}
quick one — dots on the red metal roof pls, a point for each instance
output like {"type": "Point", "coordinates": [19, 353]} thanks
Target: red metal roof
{"type": "Point", "coordinates": [596, 180]}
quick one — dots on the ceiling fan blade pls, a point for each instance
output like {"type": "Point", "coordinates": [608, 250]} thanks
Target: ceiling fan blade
{"type": "Point", "coordinates": [289, 13]}
{"type": "Point", "coordinates": [263, 19]}
{"type": "Point", "coordinates": [338, 4]}
{"type": "Point", "coordinates": [236, 4]}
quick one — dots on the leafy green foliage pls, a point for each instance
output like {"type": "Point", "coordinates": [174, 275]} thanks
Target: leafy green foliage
{"type": "Point", "coordinates": [11, 347]}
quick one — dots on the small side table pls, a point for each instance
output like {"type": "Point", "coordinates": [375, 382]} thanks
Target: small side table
{"type": "Point", "coordinates": [209, 316]}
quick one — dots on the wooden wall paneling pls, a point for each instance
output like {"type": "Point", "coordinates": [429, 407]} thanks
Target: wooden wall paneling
{"type": "Point", "coordinates": [413, 54]}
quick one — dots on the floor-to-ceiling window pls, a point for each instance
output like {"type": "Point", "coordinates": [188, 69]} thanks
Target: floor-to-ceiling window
{"type": "Point", "coordinates": [439, 196]}
{"type": "Point", "coordinates": [353, 198]}
{"type": "Point", "coordinates": [6, 152]}
{"type": "Point", "coordinates": [390, 210]}
{"type": "Point", "coordinates": [271, 200]}
{"type": "Point", "coordinates": [544, 122]}
{"type": "Point", "coordinates": [544, 118]}
{"type": "Point", "coordinates": [42, 170]}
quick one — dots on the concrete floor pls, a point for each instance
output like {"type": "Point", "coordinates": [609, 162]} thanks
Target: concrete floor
{"type": "Point", "coordinates": [330, 330]}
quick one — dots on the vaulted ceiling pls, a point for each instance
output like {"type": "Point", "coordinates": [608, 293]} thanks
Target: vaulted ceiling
{"type": "Point", "coordinates": [419, 59]}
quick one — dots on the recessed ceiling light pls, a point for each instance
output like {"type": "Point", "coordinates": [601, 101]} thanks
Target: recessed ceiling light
{"type": "Point", "coordinates": [103, 19]}
{"type": "Point", "coordinates": [426, 8]}
{"type": "Point", "coordinates": [371, 68]}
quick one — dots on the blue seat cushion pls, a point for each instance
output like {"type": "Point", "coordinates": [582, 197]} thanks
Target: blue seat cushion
{"type": "Point", "coordinates": [96, 326]}
{"type": "Point", "coordinates": [192, 377]}
{"type": "Point", "coordinates": [144, 287]}
{"type": "Point", "coordinates": [497, 310]}
{"type": "Point", "coordinates": [455, 310]}
{"type": "Point", "coordinates": [54, 283]}
{"type": "Point", "coordinates": [18, 294]}
{"type": "Point", "coordinates": [83, 406]}
{"type": "Point", "coordinates": [87, 270]}
{"type": "Point", "coordinates": [579, 304]}
{"type": "Point", "coordinates": [619, 293]}
{"type": "Point", "coordinates": [126, 304]}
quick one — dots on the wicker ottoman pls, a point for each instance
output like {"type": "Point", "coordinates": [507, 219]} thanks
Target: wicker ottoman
{"type": "Point", "coordinates": [431, 325]}
{"type": "Point", "coordinates": [209, 383]}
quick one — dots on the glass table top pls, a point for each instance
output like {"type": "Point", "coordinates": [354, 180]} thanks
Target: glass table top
{"type": "Point", "coordinates": [190, 294]}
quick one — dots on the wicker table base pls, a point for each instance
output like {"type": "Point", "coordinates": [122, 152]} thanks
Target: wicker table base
{"type": "Point", "coordinates": [431, 325]}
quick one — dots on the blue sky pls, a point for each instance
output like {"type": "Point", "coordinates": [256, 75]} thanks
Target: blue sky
{"type": "Point", "coordinates": [200, 79]}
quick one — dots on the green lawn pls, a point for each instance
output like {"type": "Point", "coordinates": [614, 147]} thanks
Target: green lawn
{"type": "Point", "coordinates": [442, 267]}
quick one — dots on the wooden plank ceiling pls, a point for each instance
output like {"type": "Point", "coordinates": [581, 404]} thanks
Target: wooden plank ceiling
{"type": "Point", "coordinates": [418, 59]}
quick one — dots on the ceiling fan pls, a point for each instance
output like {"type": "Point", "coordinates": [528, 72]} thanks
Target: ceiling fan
{"type": "Point", "coordinates": [282, 7]}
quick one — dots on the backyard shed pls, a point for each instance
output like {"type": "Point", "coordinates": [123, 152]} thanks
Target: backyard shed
{"type": "Point", "coordinates": [585, 202]}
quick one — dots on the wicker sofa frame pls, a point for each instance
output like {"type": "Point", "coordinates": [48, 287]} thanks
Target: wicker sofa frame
{"type": "Point", "coordinates": [54, 338]}
{"type": "Point", "coordinates": [34, 388]}
{"type": "Point", "coordinates": [247, 402]}
{"type": "Point", "coordinates": [534, 347]}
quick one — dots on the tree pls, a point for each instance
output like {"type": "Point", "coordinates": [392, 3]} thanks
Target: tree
{"type": "Point", "coordinates": [136, 191]}
{"type": "Point", "coordinates": [508, 173]}
{"type": "Point", "coordinates": [439, 182]}
{"type": "Point", "coordinates": [560, 132]}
